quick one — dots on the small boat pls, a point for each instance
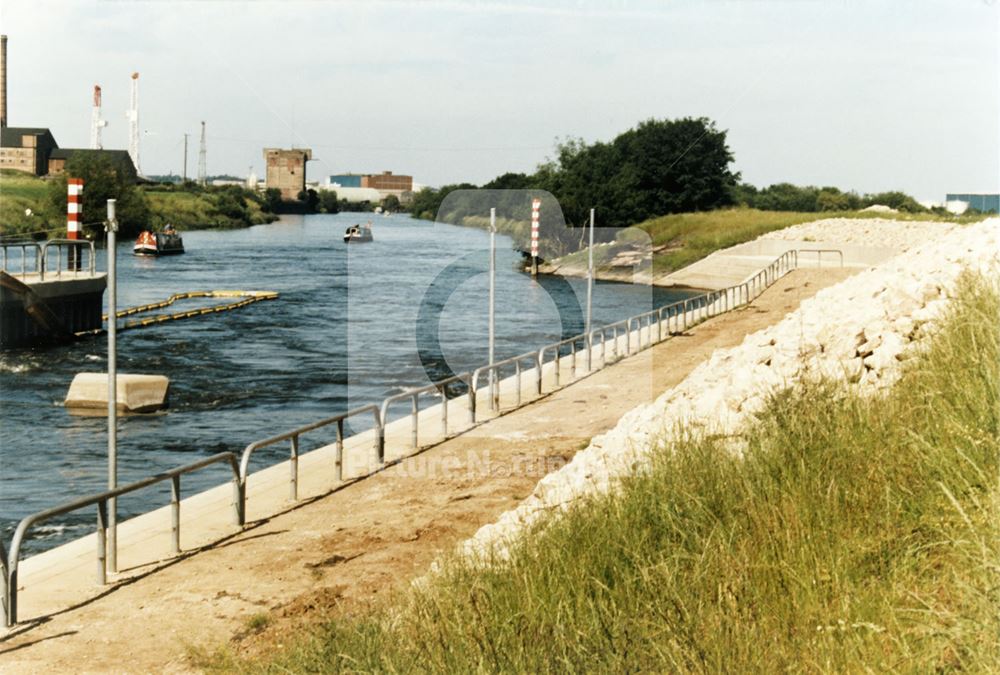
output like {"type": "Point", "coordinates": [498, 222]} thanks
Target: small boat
{"type": "Point", "coordinates": [168, 242]}
{"type": "Point", "coordinates": [358, 234]}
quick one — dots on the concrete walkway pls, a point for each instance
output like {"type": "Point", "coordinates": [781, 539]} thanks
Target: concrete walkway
{"type": "Point", "coordinates": [340, 546]}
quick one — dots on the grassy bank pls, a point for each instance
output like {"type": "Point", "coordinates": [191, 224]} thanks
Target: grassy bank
{"type": "Point", "coordinates": [856, 535]}
{"type": "Point", "coordinates": [208, 209]}
{"type": "Point", "coordinates": [20, 192]}
{"type": "Point", "coordinates": [186, 209]}
{"type": "Point", "coordinates": [683, 238]}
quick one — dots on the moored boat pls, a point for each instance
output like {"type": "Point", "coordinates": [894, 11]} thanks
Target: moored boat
{"type": "Point", "coordinates": [359, 234]}
{"type": "Point", "coordinates": [168, 242]}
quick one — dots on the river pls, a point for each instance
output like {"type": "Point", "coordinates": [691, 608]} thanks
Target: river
{"type": "Point", "coordinates": [348, 329]}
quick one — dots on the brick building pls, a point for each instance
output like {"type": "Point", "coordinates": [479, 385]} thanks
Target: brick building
{"type": "Point", "coordinates": [388, 183]}
{"type": "Point", "coordinates": [26, 149]}
{"type": "Point", "coordinates": [286, 170]}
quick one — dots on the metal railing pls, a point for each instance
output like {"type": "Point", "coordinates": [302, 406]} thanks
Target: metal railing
{"type": "Point", "coordinates": [74, 249]}
{"type": "Point", "coordinates": [413, 395]}
{"type": "Point", "coordinates": [23, 247]}
{"type": "Point", "coordinates": [657, 324]}
{"type": "Point", "coordinates": [492, 371]}
{"type": "Point", "coordinates": [293, 437]}
{"type": "Point", "coordinates": [819, 254]}
{"type": "Point", "coordinates": [41, 261]}
{"type": "Point", "coordinates": [9, 564]}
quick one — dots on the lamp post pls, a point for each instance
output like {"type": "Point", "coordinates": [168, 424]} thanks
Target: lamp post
{"type": "Point", "coordinates": [112, 229]}
{"type": "Point", "coordinates": [492, 310]}
{"type": "Point", "coordinates": [590, 287]}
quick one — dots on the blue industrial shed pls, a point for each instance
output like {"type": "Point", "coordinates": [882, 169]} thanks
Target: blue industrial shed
{"type": "Point", "coordinates": [982, 203]}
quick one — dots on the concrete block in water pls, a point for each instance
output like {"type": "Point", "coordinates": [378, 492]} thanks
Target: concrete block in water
{"type": "Point", "coordinates": [88, 393]}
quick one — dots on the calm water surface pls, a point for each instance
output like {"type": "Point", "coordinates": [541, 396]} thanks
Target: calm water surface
{"type": "Point", "coordinates": [346, 331]}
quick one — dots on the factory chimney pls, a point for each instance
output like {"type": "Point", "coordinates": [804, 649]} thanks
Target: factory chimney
{"type": "Point", "coordinates": [3, 80]}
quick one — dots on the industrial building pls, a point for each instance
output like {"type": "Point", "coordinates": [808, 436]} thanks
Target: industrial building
{"type": "Point", "coordinates": [286, 170]}
{"type": "Point", "coordinates": [34, 149]}
{"type": "Point", "coordinates": [385, 183]}
{"type": "Point", "coordinates": [26, 149]}
{"type": "Point", "coordinates": [984, 203]}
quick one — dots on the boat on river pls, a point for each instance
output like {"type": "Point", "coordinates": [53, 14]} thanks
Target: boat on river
{"type": "Point", "coordinates": [167, 242]}
{"type": "Point", "coordinates": [359, 234]}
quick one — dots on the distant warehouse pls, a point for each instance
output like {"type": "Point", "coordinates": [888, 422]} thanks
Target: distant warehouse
{"type": "Point", "coordinates": [385, 184]}
{"type": "Point", "coordinates": [984, 203]}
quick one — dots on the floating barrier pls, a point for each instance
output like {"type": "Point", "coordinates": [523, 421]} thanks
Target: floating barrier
{"type": "Point", "coordinates": [243, 298]}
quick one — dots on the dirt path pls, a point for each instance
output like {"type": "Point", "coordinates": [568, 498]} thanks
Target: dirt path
{"type": "Point", "coordinates": [357, 544]}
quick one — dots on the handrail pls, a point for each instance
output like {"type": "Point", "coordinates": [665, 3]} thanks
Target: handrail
{"type": "Point", "coordinates": [572, 353]}
{"type": "Point", "coordinates": [413, 394]}
{"type": "Point", "coordinates": [101, 500]}
{"type": "Point", "coordinates": [293, 436]}
{"type": "Point", "coordinates": [494, 382]}
{"type": "Point", "coordinates": [685, 313]}
{"type": "Point", "coordinates": [24, 246]}
{"type": "Point", "coordinates": [72, 245]}
{"type": "Point", "coordinates": [819, 254]}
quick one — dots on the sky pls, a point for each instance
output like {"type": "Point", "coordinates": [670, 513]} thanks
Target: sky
{"type": "Point", "coordinates": [862, 95]}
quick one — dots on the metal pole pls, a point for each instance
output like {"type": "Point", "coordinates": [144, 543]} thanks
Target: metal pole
{"type": "Point", "coordinates": [492, 310]}
{"type": "Point", "coordinates": [112, 523]}
{"type": "Point", "coordinates": [590, 288]}
{"type": "Point", "coordinates": [185, 171]}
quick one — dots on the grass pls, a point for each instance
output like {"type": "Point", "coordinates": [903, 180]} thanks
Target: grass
{"type": "Point", "coordinates": [856, 535]}
{"type": "Point", "coordinates": [689, 237]}
{"type": "Point", "coordinates": [20, 191]}
{"type": "Point", "coordinates": [191, 210]}
{"type": "Point", "coordinates": [185, 210]}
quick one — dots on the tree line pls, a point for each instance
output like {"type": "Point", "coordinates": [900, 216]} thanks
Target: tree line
{"type": "Point", "coordinates": [657, 168]}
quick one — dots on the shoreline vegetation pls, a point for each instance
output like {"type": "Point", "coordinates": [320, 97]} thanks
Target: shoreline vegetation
{"type": "Point", "coordinates": [855, 533]}
{"type": "Point", "coordinates": [34, 207]}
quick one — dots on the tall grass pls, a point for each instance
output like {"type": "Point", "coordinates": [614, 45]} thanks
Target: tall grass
{"type": "Point", "coordinates": [855, 535]}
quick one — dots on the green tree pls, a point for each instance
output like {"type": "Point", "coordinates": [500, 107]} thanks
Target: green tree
{"type": "Point", "coordinates": [103, 179]}
{"type": "Point", "coordinates": [310, 199]}
{"type": "Point", "coordinates": [272, 200]}
{"type": "Point", "coordinates": [328, 201]}
{"type": "Point", "coordinates": [391, 203]}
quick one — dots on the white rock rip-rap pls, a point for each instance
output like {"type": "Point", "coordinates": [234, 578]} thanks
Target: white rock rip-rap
{"type": "Point", "coordinates": [859, 330]}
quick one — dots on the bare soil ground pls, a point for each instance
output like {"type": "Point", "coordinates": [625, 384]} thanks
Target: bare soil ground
{"type": "Point", "coordinates": [341, 552]}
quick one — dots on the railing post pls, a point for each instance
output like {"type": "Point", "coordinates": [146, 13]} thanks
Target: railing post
{"type": "Point", "coordinates": [293, 491]}
{"type": "Point", "coordinates": [379, 440]}
{"type": "Point", "coordinates": [556, 364]}
{"type": "Point", "coordinates": [572, 359]}
{"type": "Point", "coordinates": [239, 501]}
{"type": "Point", "coordinates": [517, 378]}
{"type": "Point", "coordinates": [538, 374]}
{"type": "Point", "coordinates": [4, 596]}
{"type": "Point", "coordinates": [102, 548]}
{"type": "Point", "coordinates": [444, 410]}
{"type": "Point", "coordinates": [175, 514]}
{"type": "Point", "coordinates": [590, 352]}
{"type": "Point", "coordinates": [413, 421]}
{"type": "Point", "coordinates": [472, 400]}
{"type": "Point", "coordinates": [340, 450]}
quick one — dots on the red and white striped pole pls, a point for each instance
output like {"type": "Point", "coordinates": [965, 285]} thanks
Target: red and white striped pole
{"type": "Point", "coordinates": [536, 205]}
{"type": "Point", "coordinates": [74, 217]}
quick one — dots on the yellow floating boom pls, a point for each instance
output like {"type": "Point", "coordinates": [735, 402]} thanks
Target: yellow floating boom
{"type": "Point", "coordinates": [244, 298]}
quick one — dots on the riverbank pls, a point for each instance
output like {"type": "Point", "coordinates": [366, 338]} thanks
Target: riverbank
{"type": "Point", "coordinates": [794, 500]}
{"type": "Point", "coordinates": [348, 548]}
{"type": "Point", "coordinates": [682, 242]}
{"type": "Point", "coordinates": [26, 207]}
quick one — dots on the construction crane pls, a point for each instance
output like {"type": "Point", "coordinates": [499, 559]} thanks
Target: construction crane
{"type": "Point", "coordinates": [96, 123]}
{"type": "Point", "coordinates": [133, 123]}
